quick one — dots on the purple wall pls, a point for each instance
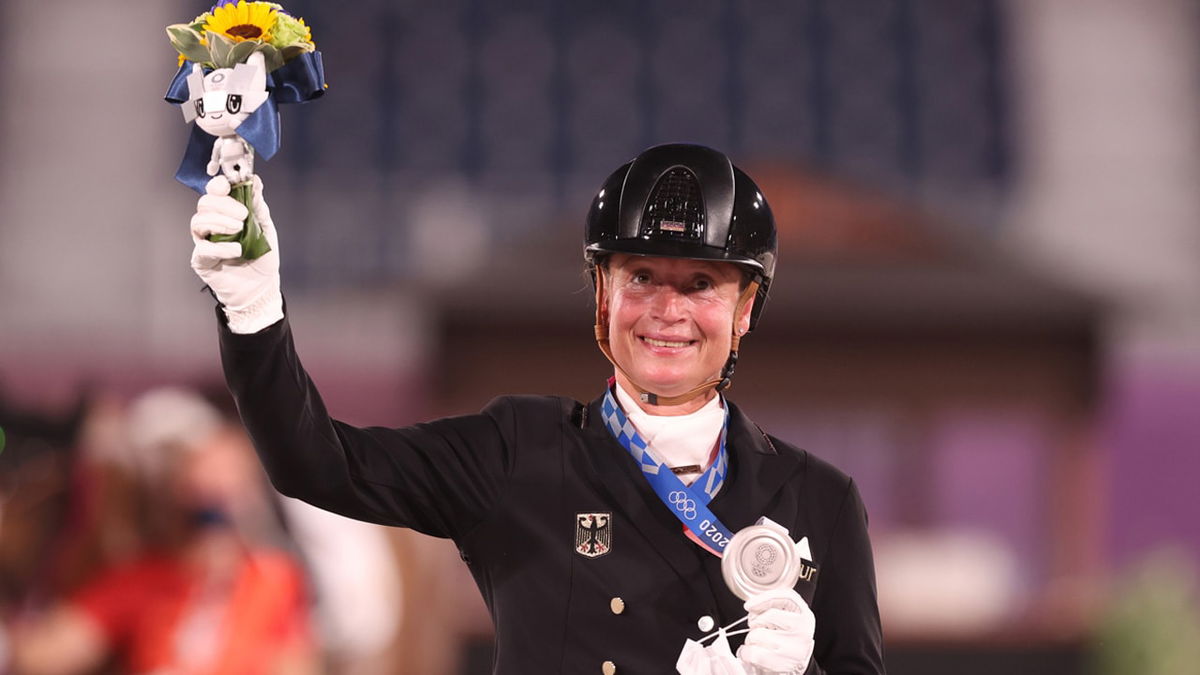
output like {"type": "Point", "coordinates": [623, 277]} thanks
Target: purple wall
{"type": "Point", "coordinates": [1152, 425]}
{"type": "Point", "coordinates": [988, 476]}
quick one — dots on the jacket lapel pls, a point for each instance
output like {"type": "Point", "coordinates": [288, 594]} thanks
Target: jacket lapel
{"type": "Point", "coordinates": [757, 472]}
{"type": "Point", "coordinates": [622, 479]}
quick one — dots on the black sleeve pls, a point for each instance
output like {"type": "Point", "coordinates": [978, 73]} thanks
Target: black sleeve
{"type": "Point", "coordinates": [849, 639]}
{"type": "Point", "coordinates": [439, 478]}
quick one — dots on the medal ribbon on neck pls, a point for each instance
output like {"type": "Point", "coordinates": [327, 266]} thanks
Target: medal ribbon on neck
{"type": "Point", "coordinates": [688, 503]}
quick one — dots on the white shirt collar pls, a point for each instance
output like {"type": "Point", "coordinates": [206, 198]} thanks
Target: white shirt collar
{"type": "Point", "coordinates": [678, 440]}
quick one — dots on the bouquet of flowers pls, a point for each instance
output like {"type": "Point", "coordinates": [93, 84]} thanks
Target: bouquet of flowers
{"type": "Point", "coordinates": [237, 62]}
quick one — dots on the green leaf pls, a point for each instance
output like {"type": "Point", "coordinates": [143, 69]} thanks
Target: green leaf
{"type": "Point", "coordinates": [187, 42]}
{"type": "Point", "coordinates": [271, 57]}
{"type": "Point", "coordinates": [200, 21]}
{"type": "Point", "coordinates": [182, 37]}
{"type": "Point", "coordinates": [251, 237]}
{"type": "Point", "coordinates": [242, 51]}
{"type": "Point", "coordinates": [198, 55]}
{"type": "Point", "coordinates": [220, 47]}
{"type": "Point", "coordinates": [292, 51]}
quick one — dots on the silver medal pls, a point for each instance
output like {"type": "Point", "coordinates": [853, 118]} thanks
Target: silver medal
{"type": "Point", "coordinates": [760, 558]}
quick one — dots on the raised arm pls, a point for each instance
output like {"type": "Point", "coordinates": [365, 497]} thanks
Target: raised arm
{"type": "Point", "coordinates": [439, 478]}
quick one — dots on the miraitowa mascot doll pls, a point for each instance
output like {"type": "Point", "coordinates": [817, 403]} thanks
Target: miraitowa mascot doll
{"type": "Point", "coordinates": [219, 103]}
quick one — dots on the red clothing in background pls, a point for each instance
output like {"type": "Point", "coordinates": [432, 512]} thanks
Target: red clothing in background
{"type": "Point", "coordinates": [147, 607]}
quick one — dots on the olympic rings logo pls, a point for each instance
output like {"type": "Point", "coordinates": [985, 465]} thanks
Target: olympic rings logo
{"type": "Point", "coordinates": [683, 504]}
{"type": "Point", "coordinates": [765, 554]}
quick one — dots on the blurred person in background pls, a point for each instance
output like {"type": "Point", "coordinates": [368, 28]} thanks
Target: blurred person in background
{"type": "Point", "coordinates": [207, 595]}
{"type": "Point", "coordinates": [580, 521]}
{"type": "Point", "coordinates": [39, 466]}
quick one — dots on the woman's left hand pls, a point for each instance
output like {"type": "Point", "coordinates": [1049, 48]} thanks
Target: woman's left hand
{"type": "Point", "coordinates": [781, 633]}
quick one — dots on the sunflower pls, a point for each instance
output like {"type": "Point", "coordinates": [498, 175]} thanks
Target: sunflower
{"type": "Point", "coordinates": [243, 21]}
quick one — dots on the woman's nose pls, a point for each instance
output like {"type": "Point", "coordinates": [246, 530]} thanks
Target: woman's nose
{"type": "Point", "coordinates": [668, 304]}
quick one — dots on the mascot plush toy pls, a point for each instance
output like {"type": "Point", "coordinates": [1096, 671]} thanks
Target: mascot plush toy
{"type": "Point", "coordinates": [218, 103]}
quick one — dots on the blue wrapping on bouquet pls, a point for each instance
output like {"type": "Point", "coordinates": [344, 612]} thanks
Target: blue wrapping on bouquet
{"type": "Point", "coordinates": [298, 81]}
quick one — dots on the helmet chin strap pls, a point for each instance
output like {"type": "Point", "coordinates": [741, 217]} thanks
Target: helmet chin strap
{"type": "Point", "coordinates": [645, 395]}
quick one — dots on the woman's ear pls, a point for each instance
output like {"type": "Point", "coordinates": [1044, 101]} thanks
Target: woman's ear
{"type": "Point", "coordinates": [741, 322]}
{"type": "Point", "coordinates": [601, 282]}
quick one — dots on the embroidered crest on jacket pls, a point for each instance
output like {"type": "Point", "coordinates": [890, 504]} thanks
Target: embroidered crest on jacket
{"type": "Point", "coordinates": [593, 534]}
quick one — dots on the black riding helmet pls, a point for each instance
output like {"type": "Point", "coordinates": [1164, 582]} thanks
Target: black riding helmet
{"type": "Point", "coordinates": [684, 201]}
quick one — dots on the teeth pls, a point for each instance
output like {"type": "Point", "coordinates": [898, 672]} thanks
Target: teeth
{"type": "Point", "coordinates": [665, 343]}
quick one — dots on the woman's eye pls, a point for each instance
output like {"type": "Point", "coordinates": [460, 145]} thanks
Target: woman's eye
{"type": "Point", "coordinates": [703, 284]}
{"type": "Point", "coordinates": [641, 278]}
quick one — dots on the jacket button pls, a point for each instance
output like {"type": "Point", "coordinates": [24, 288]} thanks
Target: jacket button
{"type": "Point", "coordinates": [617, 605]}
{"type": "Point", "coordinates": [608, 668]}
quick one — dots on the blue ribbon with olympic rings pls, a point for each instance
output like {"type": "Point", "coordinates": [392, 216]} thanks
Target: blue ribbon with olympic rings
{"type": "Point", "coordinates": [688, 503]}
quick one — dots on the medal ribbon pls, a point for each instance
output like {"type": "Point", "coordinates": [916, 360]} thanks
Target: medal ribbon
{"type": "Point", "coordinates": [688, 503]}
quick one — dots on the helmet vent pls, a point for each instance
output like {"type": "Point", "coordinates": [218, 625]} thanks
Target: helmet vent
{"type": "Point", "coordinates": [675, 209]}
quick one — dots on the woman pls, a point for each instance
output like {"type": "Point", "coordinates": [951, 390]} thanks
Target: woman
{"type": "Point", "coordinates": [594, 531]}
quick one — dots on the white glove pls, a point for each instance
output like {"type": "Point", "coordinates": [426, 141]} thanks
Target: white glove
{"type": "Point", "coordinates": [715, 659]}
{"type": "Point", "coordinates": [781, 633]}
{"type": "Point", "coordinates": [248, 290]}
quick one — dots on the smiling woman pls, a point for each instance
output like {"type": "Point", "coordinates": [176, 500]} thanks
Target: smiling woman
{"type": "Point", "coordinates": [671, 323]}
{"type": "Point", "coordinates": [685, 206]}
{"type": "Point", "coordinates": [595, 531]}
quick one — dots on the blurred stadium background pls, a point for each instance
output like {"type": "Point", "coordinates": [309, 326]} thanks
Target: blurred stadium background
{"type": "Point", "coordinates": [987, 307]}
